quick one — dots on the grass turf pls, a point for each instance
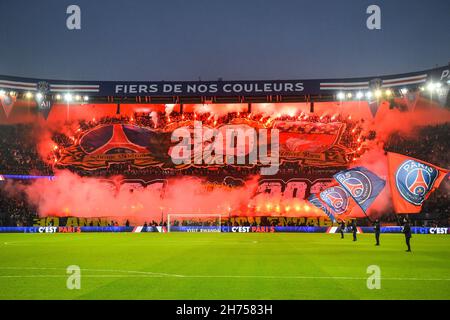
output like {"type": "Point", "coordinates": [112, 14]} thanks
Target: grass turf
{"type": "Point", "coordinates": [222, 266]}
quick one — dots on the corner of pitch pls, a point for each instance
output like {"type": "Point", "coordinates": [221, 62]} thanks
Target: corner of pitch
{"type": "Point", "coordinates": [239, 145]}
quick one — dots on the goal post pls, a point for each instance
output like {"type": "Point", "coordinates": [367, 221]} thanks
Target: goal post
{"type": "Point", "coordinates": [194, 222]}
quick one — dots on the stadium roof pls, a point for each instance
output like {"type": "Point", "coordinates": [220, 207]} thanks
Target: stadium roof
{"type": "Point", "coordinates": [221, 91]}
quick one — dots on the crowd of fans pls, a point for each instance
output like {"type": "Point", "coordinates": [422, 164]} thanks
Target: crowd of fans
{"type": "Point", "coordinates": [18, 151]}
{"type": "Point", "coordinates": [19, 155]}
{"type": "Point", "coordinates": [430, 143]}
{"type": "Point", "coordinates": [15, 210]}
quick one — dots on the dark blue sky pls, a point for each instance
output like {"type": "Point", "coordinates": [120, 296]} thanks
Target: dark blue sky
{"type": "Point", "coordinates": [232, 39]}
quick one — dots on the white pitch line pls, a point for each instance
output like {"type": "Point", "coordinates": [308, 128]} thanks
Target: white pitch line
{"type": "Point", "coordinates": [148, 274]}
{"type": "Point", "coordinates": [85, 276]}
{"type": "Point", "coordinates": [219, 276]}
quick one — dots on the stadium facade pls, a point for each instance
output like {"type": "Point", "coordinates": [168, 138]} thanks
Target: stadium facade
{"type": "Point", "coordinates": [221, 91]}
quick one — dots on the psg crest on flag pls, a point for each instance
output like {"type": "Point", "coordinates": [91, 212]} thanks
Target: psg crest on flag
{"type": "Point", "coordinates": [414, 180]}
{"type": "Point", "coordinates": [362, 184]}
{"type": "Point", "coordinates": [357, 183]}
{"type": "Point", "coordinates": [316, 201]}
{"type": "Point", "coordinates": [336, 198]}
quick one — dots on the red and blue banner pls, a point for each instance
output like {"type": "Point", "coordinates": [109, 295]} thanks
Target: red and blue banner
{"type": "Point", "coordinates": [267, 229]}
{"type": "Point", "coordinates": [362, 185]}
{"type": "Point", "coordinates": [338, 200]}
{"type": "Point", "coordinates": [322, 206]}
{"type": "Point", "coordinates": [304, 142]}
{"type": "Point", "coordinates": [412, 181]}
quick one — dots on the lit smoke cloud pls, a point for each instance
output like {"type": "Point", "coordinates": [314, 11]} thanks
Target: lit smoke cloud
{"type": "Point", "coordinates": [71, 195]}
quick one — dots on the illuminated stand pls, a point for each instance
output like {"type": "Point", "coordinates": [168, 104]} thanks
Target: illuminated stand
{"type": "Point", "coordinates": [194, 222]}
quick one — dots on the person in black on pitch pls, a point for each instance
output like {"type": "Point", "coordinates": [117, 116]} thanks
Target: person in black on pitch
{"type": "Point", "coordinates": [377, 229]}
{"type": "Point", "coordinates": [342, 229]}
{"type": "Point", "coordinates": [354, 230]}
{"type": "Point", "coordinates": [407, 232]}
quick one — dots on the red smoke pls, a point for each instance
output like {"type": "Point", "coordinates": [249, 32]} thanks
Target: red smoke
{"type": "Point", "coordinates": [388, 121]}
{"type": "Point", "coordinates": [71, 195]}
{"type": "Point", "coordinates": [376, 161]}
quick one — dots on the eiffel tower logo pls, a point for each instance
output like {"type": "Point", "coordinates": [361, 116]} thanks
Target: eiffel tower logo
{"type": "Point", "coordinates": [119, 140]}
{"type": "Point", "coordinates": [335, 201]}
{"type": "Point", "coordinates": [354, 188]}
{"type": "Point", "coordinates": [419, 186]}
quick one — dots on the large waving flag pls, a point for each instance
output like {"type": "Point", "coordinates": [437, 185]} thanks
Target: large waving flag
{"type": "Point", "coordinates": [338, 200]}
{"type": "Point", "coordinates": [322, 206]}
{"type": "Point", "coordinates": [362, 185]}
{"type": "Point", "coordinates": [412, 181]}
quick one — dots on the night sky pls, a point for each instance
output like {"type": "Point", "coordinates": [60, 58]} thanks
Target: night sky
{"type": "Point", "coordinates": [231, 39]}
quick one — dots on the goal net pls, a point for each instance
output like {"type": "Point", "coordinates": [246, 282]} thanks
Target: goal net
{"type": "Point", "coordinates": [194, 222]}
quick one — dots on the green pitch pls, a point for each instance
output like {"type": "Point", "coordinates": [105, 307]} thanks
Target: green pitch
{"type": "Point", "coordinates": [222, 266]}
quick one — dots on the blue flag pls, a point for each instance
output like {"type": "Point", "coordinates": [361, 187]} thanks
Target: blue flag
{"type": "Point", "coordinates": [363, 185]}
{"type": "Point", "coordinates": [319, 204]}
